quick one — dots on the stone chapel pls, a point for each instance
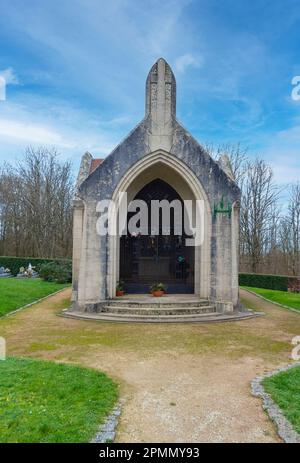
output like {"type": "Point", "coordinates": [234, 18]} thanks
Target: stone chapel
{"type": "Point", "coordinates": [159, 159]}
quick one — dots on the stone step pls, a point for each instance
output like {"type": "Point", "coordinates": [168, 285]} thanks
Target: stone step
{"type": "Point", "coordinates": [154, 310]}
{"type": "Point", "coordinates": [210, 317]}
{"type": "Point", "coordinates": [150, 302]}
{"type": "Point", "coordinates": [108, 316]}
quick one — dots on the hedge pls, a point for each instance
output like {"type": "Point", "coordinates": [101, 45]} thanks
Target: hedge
{"type": "Point", "coordinates": [59, 272]}
{"type": "Point", "coordinates": [258, 280]}
{"type": "Point", "coordinates": [14, 263]}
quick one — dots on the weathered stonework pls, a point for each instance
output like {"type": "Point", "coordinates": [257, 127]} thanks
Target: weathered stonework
{"type": "Point", "coordinates": [159, 146]}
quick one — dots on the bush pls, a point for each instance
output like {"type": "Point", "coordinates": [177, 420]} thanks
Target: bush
{"type": "Point", "coordinates": [257, 280]}
{"type": "Point", "coordinates": [294, 286]}
{"type": "Point", "coordinates": [15, 263]}
{"type": "Point", "coordinates": [60, 272]}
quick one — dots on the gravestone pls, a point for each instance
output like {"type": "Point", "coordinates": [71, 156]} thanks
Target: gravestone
{"type": "Point", "coordinates": [5, 273]}
{"type": "Point", "coordinates": [28, 272]}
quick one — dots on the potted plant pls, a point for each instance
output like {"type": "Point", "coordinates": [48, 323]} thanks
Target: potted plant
{"type": "Point", "coordinates": [120, 289]}
{"type": "Point", "coordinates": [158, 289]}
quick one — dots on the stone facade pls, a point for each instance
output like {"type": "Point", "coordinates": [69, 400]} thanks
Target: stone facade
{"type": "Point", "coordinates": [158, 147]}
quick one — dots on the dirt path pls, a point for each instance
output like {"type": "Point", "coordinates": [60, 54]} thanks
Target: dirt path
{"type": "Point", "coordinates": [180, 383]}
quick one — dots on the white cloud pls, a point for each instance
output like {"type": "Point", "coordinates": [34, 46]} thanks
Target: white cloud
{"type": "Point", "coordinates": [30, 133]}
{"type": "Point", "coordinates": [184, 61]}
{"type": "Point", "coordinates": [48, 121]}
{"type": "Point", "coordinates": [91, 62]}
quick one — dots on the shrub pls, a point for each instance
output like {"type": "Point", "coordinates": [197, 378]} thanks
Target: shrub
{"type": "Point", "coordinates": [15, 263]}
{"type": "Point", "coordinates": [60, 272]}
{"type": "Point", "coordinates": [294, 286]}
{"type": "Point", "coordinates": [258, 280]}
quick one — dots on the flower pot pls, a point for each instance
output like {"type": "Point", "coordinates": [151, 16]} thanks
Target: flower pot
{"type": "Point", "coordinates": [157, 293]}
{"type": "Point", "coordinates": [120, 293]}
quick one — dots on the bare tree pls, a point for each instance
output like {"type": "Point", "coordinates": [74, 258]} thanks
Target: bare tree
{"type": "Point", "coordinates": [259, 200]}
{"type": "Point", "coordinates": [36, 205]}
{"type": "Point", "coordinates": [36, 210]}
{"type": "Point", "coordinates": [10, 211]}
{"type": "Point", "coordinates": [290, 231]}
{"type": "Point", "coordinates": [236, 154]}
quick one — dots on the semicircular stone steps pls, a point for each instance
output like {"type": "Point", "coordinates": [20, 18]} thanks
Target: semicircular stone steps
{"type": "Point", "coordinates": [155, 303]}
{"type": "Point", "coordinates": [169, 308]}
{"type": "Point", "coordinates": [157, 318]}
{"type": "Point", "coordinates": [164, 309]}
{"type": "Point", "coordinates": [196, 318]}
{"type": "Point", "coordinates": [161, 310]}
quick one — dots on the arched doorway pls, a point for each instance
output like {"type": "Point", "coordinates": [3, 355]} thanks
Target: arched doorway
{"type": "Point", "coordinates": [160, 256]}
{"type": "Point", "coordinates": [167, 167]}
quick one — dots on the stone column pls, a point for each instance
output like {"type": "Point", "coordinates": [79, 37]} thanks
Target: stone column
{"type": "Point", "coordinates": [92, 272]}
{"type": "Point", "coordinates": [223, 263]}
{"type": "Point", "coordinates": [235, 224]}
{"type": "Point", "coordinates": [78, 212]}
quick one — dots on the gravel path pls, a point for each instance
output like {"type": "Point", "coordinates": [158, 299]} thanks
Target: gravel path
{"type": "Point", "coordinates": [179, 383]}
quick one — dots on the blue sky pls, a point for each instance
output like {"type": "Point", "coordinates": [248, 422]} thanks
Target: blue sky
{"type": "Point", "coordinates": [76, 70]}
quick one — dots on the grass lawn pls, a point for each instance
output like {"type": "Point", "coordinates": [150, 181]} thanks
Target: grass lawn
{"type": "Point", "coordinates": [281, 297]}
{"type": "Point", "coordinates": [43, 401]}
{"type": "Point", "coordinates": [284, 389]}
{"type": "Point", "coordinates": [15, 292]}
{"type": "Point", "coordinates": [154, 357]}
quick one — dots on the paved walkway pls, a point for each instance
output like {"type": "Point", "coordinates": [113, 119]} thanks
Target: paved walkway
{"type": "Point", "coordinates": [181, 383]}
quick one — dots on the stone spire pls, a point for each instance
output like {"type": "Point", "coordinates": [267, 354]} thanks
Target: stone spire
{"type": "Point", "coordinates": [161, 104]}
{"type": "Point", "coordinates": [225, 164]}
{"type": "Point", "coordinates": [83, 171]}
